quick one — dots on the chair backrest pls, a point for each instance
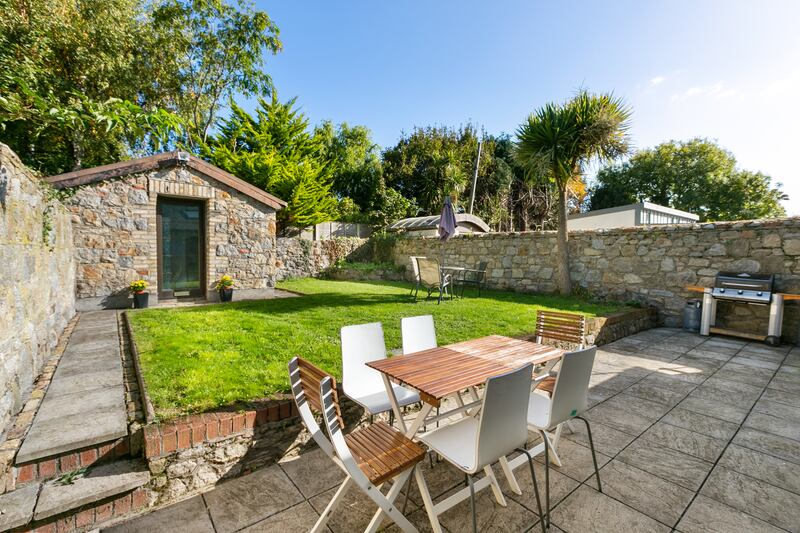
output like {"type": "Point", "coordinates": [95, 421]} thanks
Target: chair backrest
{"type": "Point", "coordinates": [418, 333]}
{"type": "Point", "coordinates": [504, 415]}
{"type": "Point", "coordinates": [360, 345]}
{"type": "Point", "coordinates": [429, 273]}
{"type": "Point", "coordinates": [333, 424]}
{"type": "Point", "coordinates": [305, 379]}
{"type": "Point", "coordinates": [569, 327]}
{"type": "Point", "coordinates": [571, 391]}
{"type": "Point", "coordinates": [415, 267]}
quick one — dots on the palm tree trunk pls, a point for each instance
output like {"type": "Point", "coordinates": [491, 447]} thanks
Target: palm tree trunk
{"type": "Point", "coordinates": [564, 285]}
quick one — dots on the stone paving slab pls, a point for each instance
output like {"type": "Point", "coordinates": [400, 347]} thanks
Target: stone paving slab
{"type": "Point", "coordinates": [16, 507]}
{"type": "Point", "coordinates": [707, 441]}
{"type": "Point", "coordinates": [100, 482]}
{"type": "Point", "coordinates": [85, 402]}
{"type": "Point", "coordinates": [189, 516]}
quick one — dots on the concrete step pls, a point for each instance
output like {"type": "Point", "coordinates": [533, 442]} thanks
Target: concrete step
{"type": "Point", "coordinates": [100, 483]}
{"type": "Point", "coordinates": [85, 403]}
{"type": "Point", "coordinates": [39, 504]}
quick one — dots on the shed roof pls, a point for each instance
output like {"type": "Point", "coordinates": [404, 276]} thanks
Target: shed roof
{"type": "Point", "coordinates": [167, 159]}
{"type": "Point", "coordinates": [432, 222]}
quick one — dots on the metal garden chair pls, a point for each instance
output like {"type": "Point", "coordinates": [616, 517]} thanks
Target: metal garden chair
{"type": "Point", "coordinates": [475, 277]}
{"type": "Point", "coordinates": [432, 279]}
{"type": "Point", "coordinates": [474, 443]}
{"type": "Point", "coordinates": [361, 344]}
{"type": "Point", "coordinates": [569, 400]}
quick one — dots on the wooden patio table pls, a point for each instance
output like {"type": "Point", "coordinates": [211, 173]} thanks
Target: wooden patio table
{"type": "Point", "coordinates": [445, 371]}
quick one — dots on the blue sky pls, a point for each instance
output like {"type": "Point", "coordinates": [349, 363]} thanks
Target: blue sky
{"type": "Point", "coordinates": [727, 70]}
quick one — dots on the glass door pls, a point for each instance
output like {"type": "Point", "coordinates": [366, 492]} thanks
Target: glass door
{"type": "Point", "coordinates": [181, 248]}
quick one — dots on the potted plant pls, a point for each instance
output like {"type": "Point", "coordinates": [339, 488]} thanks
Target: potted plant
{"type": "Point", "coordinates": [225, 288]}
{"type": "Point", "coordinates": [140, 295]}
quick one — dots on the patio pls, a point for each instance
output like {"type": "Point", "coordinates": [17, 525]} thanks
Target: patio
{"type": "Point", "coordinates": [692, 433]}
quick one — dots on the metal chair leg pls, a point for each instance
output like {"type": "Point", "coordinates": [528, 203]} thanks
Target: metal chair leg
{"type": "Point", "coordinates": [546, 478]}
{"type": "Point", "coordinates": [594, 456]}
{"type": "Point", "coordinates": [535, 486]}
{"type": "Point", "coordinates": [472, 504]}
{"type": "Point", "coordinates": [391, 417]}
{"type": "Point", "coordinates": [408, 489]}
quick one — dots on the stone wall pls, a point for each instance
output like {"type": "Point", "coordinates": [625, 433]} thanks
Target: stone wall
{"type": "Point", "coordinates": [302, 258]}
{"type": "Point", "coordinates": [37, 279]}
{"type": "Point", "coordinates": [649, 265]}
{"type": "Point", "coordinates": [116, 241]}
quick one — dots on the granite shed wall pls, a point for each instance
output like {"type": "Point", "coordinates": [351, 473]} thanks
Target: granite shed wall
{"type": "Point", "coordinates": [116, 242]}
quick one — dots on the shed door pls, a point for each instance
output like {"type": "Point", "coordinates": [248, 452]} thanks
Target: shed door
{"type": "Point", "coordinates": [181, 248]}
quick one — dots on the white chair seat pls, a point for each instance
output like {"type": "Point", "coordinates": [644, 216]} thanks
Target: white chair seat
{"type": "Point", "coordinates": [455, 442]}
{"type": "Point", "coordinates": [539, 410]}
{"type": "Point", "coordinates": [378, 402]}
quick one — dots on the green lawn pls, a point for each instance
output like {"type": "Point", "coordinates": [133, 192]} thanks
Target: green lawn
{"type": "Point", "coordinates": [199, 358]}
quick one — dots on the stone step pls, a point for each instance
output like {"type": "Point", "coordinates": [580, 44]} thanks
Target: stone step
{"type": "Point", "coordinates": [85, 403]}
{"type": "Point", "coordinates": [40, 503]}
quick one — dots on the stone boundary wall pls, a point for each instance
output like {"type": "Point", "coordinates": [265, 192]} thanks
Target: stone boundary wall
{"type": "Point", "coordinates": [37, 280]}
{"type": "Point", "coordinates": [650, 265]}
{"type": "Point", "coordinates": [303, 258]}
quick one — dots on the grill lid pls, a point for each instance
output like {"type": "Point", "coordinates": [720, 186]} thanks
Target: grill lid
{"type": "Point", "coordinates": [744, 281]}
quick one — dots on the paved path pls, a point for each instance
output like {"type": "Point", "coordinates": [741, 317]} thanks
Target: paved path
{"type": "Point", "coordinates": [85, 402]}
{"type": "Point", "coordinates": [693, 434]}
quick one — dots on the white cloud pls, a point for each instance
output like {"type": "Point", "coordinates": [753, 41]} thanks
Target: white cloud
{"type": "Point", "coordinates": [658, 80]}
{"type": "Point", "coordinates": [717, 90]}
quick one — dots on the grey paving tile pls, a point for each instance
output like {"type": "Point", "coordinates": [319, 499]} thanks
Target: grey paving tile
{"type": "Point", "coordinates": [761, 466]}
{"type": "Point", "coordinates": [770, 357]}
{"type": "Point", "coordinates": [76, 383]}
{"type": "Point", "coordinates": [778, 409]}
{"type": "Point", "coordinates": [714, 408]}
{"type": "Point", "coordinates": [669, 382]}
{"type": "Point", "coordinates": [189, 515]}
{"type": "Point", "coordinates": [686, 441]}
{"type": "Point", "coordinates": [627, 413]}
{"type": "Point", "coordinates": [576, 460]}
{"type": "Point", "coordinates": [745, 374]}
{"type": "Point", "coordinates": [560, 486]}
{"type": "Point", "coordinates": [705, 425]}
{"type": "Point", "coordinates": [787, 385]}
{"type": "Point", "coordinates": [759, 347]}
{"type": "Point", "coordinates": [598, 393]}
{"type": "Point", "coordinates": [774, 395]}
{"type": "Point", "coordinates": [249, 499]}
{"type": "Point", "coordinates": [589, 511]}
{"type": "Point", "coordinates": [683, 372]}
{"type": "Point", "coordinates": [707, 362]}
{"type": "Point", "coordinates": [96, 400]}
{"type": "Point", "coordinates": [711, 393]}
{"type": "Point", "coordinates": [756, 362]}
{"type": "Point", "coordinates": [655, 393]}
{"type": "Point", "coordinates": [313, 472]}
{"type": "Point", "coordinates": [754, 497]}
{"type": "Point", "coordinates": [679, 468]}
{"type": "Point", "coordinates": [710, 516]}
{"type": "Point", "coordinates": [773, 424]}
{"type": "Point", "coordinates": [606, 439]}
{"type": "Point", "coordinates": [648, 494]}
{"type": "Point", "coordinates": [355, 511]}
{"type": "Point", "coordinates": [440, 478]}
{"type": "Point", "coordinates": [490, 515]}
{"type": "Point", "coordinates": [774, 445]}
{"type": "Point", "coordinates": [297, 519]}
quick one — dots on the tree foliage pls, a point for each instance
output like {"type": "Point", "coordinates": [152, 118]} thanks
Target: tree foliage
{"type": "Point", "coordinates": [557, 142]}
{"type": "Point", "coordinates": [275, 151]}
{"type": "Point", "coordinates": [696, 176]}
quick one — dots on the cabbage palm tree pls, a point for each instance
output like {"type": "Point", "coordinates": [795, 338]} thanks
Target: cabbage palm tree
{"type": "Point", "coordinates": [557, 141]}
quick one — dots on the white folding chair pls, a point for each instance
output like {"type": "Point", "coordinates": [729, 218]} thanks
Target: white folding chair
{"type": "Point", "coordinates": [361, 344]}
{"type": "Point", "coordinates": [362, 454]}
{"type": "Point", "coordinates": [473, 443]}
{"type": "Point", "coordinates": [569, 400]}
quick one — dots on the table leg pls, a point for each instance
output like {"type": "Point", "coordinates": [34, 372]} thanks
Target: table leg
{"type": "Point", "coordinates": [393, 401]}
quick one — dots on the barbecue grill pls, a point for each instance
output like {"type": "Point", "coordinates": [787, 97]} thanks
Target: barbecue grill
{"type": "Point", "coordinates": [752, 289]}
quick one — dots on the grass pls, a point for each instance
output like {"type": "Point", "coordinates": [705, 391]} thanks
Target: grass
{"type": "Point", "coordinates": [200, 358]}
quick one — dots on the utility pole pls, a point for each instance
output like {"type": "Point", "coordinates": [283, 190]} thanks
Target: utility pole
{"type": "Point", "coordinates": [475, 177]}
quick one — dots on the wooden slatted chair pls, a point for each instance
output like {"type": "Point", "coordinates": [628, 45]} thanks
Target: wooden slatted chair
{"type": "Point", "coordinates": [369, 456]}
{"type": "Point", "coordinates": [559, 327]}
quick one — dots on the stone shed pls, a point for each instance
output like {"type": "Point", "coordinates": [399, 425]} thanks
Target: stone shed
{"type": "Point", "coordinates": [173, 220]}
